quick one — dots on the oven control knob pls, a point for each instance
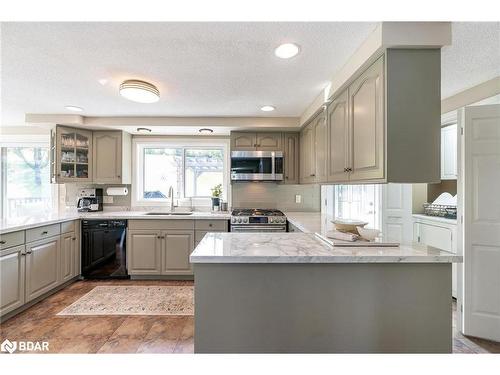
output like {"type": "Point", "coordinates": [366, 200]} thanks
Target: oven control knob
{"type": "Point", "coordinates": [271, 220]}
{"type": "Point", "coordinates": [239, 220]}
{"type": "Point", "coordinates": [233, 220]}
{"type": "Point", "coordinates": [245, 220]}
{"type": "Point", "coordinates": [283, 220]}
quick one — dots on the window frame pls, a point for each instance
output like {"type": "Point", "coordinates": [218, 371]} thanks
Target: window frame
{"type": "Point", "coordinates": [27, 141]}
{"type": "Point", "coordinates": [140, 143]}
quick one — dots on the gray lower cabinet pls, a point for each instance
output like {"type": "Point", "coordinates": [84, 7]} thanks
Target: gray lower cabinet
{"type": "Point", "coordinates": [12, 276]}
{"type": "Point", "coordinates": [144, 252]}
{"type": "Point", "coordinates": [42, 267]}
{"type": "Point", "coordinates": [68, 254]}
{"type": "Point", "coordinates": [176, 249]}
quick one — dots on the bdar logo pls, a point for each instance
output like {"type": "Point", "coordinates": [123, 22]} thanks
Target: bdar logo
{"type": "Point", "coordinates": [8, 346]}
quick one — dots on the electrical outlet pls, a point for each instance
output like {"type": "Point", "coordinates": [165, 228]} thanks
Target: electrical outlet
{"type": "Point", "coordinates": [107, 199]}
{"type": "Point", "coordinates": [298, 198]}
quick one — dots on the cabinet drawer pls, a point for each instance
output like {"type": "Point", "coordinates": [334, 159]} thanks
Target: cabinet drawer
{"type": "Point", "coordinates": [42, 232]}
{"type": "Point", "coordinates": [11, 239]}
{"type": "Point", "coordinates": [68, 226]}
{"type": "Point", "coordinates": [211, 225]}
{"type": "Point", "coordinates": [161, 224]}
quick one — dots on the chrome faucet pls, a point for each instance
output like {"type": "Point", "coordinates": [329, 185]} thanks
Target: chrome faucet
{"type": "Point", "coordinates": [171, 196]}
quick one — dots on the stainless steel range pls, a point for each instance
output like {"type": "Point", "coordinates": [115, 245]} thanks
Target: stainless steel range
{"type": "Point", "coordinates": [257, 220]}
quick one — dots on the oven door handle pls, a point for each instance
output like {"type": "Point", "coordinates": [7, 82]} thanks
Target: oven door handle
{"type": "Point", "coordinates": [259, 227]}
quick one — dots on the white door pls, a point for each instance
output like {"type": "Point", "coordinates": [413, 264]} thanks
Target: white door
{"type": "Point", "coordinates": [397, 223]}
{"type": "Point", "coordinates": [481, 228]}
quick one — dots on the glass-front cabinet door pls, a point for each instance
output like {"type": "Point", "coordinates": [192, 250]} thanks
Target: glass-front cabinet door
{"type": "Point", "coordinates": [73, 155]}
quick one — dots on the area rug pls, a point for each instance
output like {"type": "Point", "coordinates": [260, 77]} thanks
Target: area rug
{"type": "Point", "coordinates": [134, 300]}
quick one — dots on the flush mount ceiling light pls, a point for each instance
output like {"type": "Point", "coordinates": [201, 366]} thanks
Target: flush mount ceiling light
{"type": "Point", "coordinates": [206, 131]}
{"type": "Point", "coordinates": [267, 108]}
{"type": "Point", "coordinates": [287, 50]}
{"type": "Point", "coordinates": [73, 108]}
{"type": "Point", "coordinates": [143, 130]}
{"type": "Point", "coordinates": [139, 91]}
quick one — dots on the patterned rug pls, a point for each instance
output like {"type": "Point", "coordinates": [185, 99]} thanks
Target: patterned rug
{"type": "Point", "coordinates": [134, 300]}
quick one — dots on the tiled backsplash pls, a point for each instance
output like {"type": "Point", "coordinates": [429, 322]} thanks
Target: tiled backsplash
{"type": "Point", "coordinates": [272, 195]}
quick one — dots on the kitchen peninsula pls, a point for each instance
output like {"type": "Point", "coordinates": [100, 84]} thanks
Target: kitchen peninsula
{"type": "Point", "coordinates": [294, 293]}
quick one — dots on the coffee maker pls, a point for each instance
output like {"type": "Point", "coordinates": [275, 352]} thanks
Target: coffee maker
{"type": "Point", "coordinates": [89, 200]}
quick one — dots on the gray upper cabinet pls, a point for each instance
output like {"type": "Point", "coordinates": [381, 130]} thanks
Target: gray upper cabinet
{"type": "Point", "coordinates": [320, 146]}
{"type": "Point", "coordinates": [338, 138]}
{"type": "Point", "coordinates": [366, 99]}
{"type": "Point", "coordinates": [111, 157]}
{"type": "Point", "coordinates": [241, 141]}
{"type": "Point", "coordinates": [313, 151]}
{"type": "Point", "coordinates": [307, 154]}
{"type": "Point", "coordinates": [70, 155]}
{"type": "Point", "coordinates": [291, 158]}
{"type": "Point", "coordinates": [385, 125]}
{"type": "Point", "coordinates": [245, 141]}
{"type": "Point", "coordinates": [269, 142]}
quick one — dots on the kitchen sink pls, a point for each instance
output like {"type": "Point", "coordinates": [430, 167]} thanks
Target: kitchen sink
{"type": "Point", "coordinates": [168, 213]}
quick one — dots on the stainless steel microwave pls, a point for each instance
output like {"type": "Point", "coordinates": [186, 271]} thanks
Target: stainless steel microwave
{"type": "Point", "coordinates": [256, 166]}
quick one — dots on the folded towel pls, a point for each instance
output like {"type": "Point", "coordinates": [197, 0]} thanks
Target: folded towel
{"type": "Point", "coordinates": [344, 236]}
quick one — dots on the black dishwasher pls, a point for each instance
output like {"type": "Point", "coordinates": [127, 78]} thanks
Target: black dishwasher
{"type": "Point", "coordinates": [103, 249]}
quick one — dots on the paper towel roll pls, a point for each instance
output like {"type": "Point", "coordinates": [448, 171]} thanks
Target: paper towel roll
{"type": "Point", "coordinates": [120, 190]}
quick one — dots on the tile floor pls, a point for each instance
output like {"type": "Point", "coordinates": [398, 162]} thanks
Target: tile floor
{"type": "Point", "coordinates": [132, 334]}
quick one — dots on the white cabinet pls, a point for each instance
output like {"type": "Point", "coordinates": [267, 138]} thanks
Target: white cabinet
{"type": "Point", "coordinates": [42, 267]}
{"type": "Point", "coordinates": [12, 278]}
{"type": "Point", "coordinates": [449, 152]}
{"type": "Point", "coordinates": [438, 233]}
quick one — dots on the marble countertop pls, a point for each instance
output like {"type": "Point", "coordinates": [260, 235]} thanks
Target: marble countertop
{"type": "Point", "coordinates": [22, 223]}
{"type": "Point", "coordinates": [307, 222]}
{"type": "Point", "coordinates": [306, 248]}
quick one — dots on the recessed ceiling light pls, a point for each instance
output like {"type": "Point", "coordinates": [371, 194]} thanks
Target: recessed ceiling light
{"type": "Point", "coordinates": [103, 81]}
{"type": "Point", "coordinates": [267, 108]}
{"type": "Point", "coordinates": [206, 131]}
{"type": "Point", "coordinates": [287, 50]}
{"type": "Point", "coordinates": [73, 108]}
{"type": "Point", "coordinates": [139, 91]}
{"type": "Point", "coordinates": [143, 130]}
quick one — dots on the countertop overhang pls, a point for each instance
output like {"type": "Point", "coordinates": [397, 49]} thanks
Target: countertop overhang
{"type": "Point", "coordinates": [306, 248]}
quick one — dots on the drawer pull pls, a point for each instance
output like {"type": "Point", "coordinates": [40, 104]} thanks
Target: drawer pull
{"type": "Point", "coordinates": [29, 252]}
{"type": "Point", "coordinates": [74, 238]}
{"type": "Point", "coordinates": [2, 242]}
{"type": "Point", "coordinates": [44, 233]}
{"type": "Point", "coordinates": [210, 225]}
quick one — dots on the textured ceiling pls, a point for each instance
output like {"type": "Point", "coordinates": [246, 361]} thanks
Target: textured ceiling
{"type": "Point", "coordinates": [473, 57]}
{"type": "Point", "coordinates": [201, 69]}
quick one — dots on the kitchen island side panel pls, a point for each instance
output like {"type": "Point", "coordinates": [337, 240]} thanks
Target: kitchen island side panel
{"type": "Point", "coordinates": [323, 308]}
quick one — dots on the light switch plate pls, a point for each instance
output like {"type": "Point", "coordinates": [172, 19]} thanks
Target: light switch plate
{"type": "Point", "coordinates": [107, 199]}
{"type": "Point", "coordinates": [298, 198]}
